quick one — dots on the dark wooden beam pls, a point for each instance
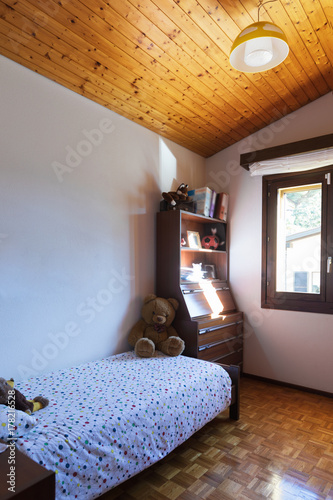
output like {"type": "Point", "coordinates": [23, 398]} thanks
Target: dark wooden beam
{"type": "Point", "coordinates": [292, 148]}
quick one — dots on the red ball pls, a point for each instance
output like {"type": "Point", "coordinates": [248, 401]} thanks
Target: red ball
{"type": "Point", "coordinates": [210, 242]}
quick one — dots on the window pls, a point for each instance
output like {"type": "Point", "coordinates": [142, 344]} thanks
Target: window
{"type": "Point", "coordinates": [297, 269]}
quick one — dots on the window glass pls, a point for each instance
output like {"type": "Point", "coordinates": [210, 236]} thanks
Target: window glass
{"type": "Point", "coordinates": [297, 244]}
{"type": "Point", "coordinates": [298, 241]}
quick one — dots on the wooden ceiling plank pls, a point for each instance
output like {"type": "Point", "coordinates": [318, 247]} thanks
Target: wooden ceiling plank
{"type": "Point", "coordinates": [174, 125]}
{"type": "Point", "coordinates": [38, 63]}
{"type": "Point", "coordinates": [237, 12]}
{"type": "Point", "coordinates": [321, 27]}
{"type": "Point", "coordinates": [323, 30]}
{"type": "Point", "coordinates": [143, 59]}
{"type": "Point", "coordinates": [203, 23]}
{"type": "Point", "coordinates": [300, 95]}
{"type": "Point", "coordinates": [202, 67]}
{"type": "Point", "coordinates": [204, 110]}
{"type": "Point", "coordinates": [228, 16]}
{"type": "Point", "coordinates": [301, 86]}
{"type": "Point", "coordinates": [83, 31]}
{"type": "Point", "coordinates": [163, 96]}
{"type": "Point", "coordinates": [167, 53]}
{"type": "Point", "coordinates": [293, 85]}
{"type": "Point", "coordinates": [140, 24]}
{"type": "Point", "coordinates": [191, 124]}
{"type": "Point", "coordinates": [96, 86]}
{"type": "Point", "coordinates": [168, 128]}
{"type": "Point", "coordinates": [268, 96]}
{"type": "Point", "coordinates": [205, 120]}
{"type": "Point", "coordinates": [14, 56]}
{"type": "Point", "coordinates": [100, 72]}
{"type": "Point", "coordinates": [286, 85]}
{"type": "Point", "coordinates": [276, 13]}
{"type": "Point", "coordinates": [303, 40]}
{"type": "Point", "coordinates": [15, 45]}
{"type": "Point", "coordinates": [93, 52]}
{"type": "Point", "coordinates": [327, 7]}
{"type": "Point", "coordinates": [237, 130]}
{"type": "Point", "coordinates": [198, 45]}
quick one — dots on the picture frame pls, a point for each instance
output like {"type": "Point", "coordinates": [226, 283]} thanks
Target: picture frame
{"type": "Point", "coordinates": [193, 238]}
{"type": "Point", "coordinates": [210, 271]}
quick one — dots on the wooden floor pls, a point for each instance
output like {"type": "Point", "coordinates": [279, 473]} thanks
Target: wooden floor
{"type": "Point", "coordinates": [280, 449]}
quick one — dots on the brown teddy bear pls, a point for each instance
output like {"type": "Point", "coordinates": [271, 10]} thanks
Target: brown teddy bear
{"type": "Point", "coordinates": [154, 330]}
{"type": "Point", "coordinates": [176, 197]}
{"type": "Point", "coordinates": [18, 399]}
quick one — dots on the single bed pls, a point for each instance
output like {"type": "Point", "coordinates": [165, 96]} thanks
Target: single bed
{"type": "Point", "coordinates": [108, 420]}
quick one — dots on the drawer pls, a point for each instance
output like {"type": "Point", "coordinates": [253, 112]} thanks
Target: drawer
{"type": "Point", "coordinates": [236, 358]}
{"type": "Point", "coordinates": [222, 320]}
{"type": "Point", "coordinates": [217, 333]}
{"type": "Point", "coordinates": [219, 349]}
{"type": "Point", "coordinates": [198, 304]}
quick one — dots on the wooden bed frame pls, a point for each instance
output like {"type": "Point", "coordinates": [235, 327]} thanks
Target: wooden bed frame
{"type": "Point", "coordinates": [234, 374]}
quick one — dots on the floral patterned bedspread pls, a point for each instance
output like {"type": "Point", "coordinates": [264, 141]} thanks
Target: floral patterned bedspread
{"type": "Point", "coordinates": [107, 420]}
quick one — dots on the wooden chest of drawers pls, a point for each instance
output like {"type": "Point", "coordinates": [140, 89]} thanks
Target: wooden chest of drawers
{"type": "Point", "coordinates": [221, 339]}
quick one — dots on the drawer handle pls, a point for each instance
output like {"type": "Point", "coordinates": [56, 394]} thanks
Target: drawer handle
{"type": "Point", "coordinates": [213, 328]}
{"type": "Point", "coordinates": [208, 346]}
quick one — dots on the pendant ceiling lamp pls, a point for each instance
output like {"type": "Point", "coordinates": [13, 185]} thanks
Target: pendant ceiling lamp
{"type": "Point", "coordinates": [259, 47]}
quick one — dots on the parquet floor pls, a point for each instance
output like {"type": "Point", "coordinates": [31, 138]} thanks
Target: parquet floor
{"type": "Point", "coordinates": [280, 449]}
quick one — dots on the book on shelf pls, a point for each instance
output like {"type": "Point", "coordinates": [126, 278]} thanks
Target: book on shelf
{"type": "Point", "coordinates": [212, 204]}
{"type": "Point", "coordinates": [221, 207]}
{"type": "Point", "coordinates": [202, 197]}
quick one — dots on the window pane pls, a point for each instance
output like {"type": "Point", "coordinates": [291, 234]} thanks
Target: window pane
{"type": "Point", "coordinates": [298, 239]}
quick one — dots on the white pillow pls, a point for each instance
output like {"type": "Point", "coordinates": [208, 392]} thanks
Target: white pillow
{"type": "Point", "coordinates": [14, 423]}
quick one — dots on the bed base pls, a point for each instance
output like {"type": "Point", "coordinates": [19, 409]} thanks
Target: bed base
{"type": "Point", "coordinates": [234, 374]}
{"type": "Point", "coordinates": [31, 481]}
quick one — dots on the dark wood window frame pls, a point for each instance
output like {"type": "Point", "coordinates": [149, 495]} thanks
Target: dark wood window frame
{"type": "Point", "coordinates": [319, 303]}
{"type": "Point", "coordinates": [307, 302]}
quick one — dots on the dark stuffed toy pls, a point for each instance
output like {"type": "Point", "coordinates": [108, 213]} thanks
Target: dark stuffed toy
{"type": "Point", "coordinates": [21, 403]}
{"type": "Point", "coordinates": [176, 197]}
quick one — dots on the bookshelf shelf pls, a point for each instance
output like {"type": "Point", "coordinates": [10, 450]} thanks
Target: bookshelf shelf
{"type": "Point", "coordinates": [205, 250]}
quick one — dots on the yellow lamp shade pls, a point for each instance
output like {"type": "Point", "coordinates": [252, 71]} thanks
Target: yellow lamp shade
{"type": "Point", "coordinates": [259, 47]}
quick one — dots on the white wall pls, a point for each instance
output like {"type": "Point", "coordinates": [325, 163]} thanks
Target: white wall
{"type": "Point", "coordinates": [79, 189]}
{"type": "Point", "coordinates": [287, 346]}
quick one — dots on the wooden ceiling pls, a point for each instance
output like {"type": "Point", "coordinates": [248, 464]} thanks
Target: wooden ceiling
{"type": "Point", "coordinates": [164, 63]}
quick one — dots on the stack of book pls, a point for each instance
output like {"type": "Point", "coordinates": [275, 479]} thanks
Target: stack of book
{"type": "Point", "coordinates": [210, 203]}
